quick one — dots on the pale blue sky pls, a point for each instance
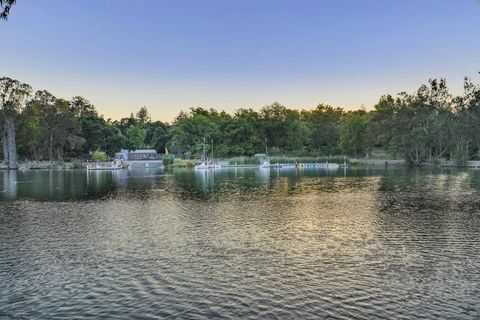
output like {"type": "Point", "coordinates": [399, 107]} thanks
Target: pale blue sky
{"type": "Point", "coordinates": [173, 55]}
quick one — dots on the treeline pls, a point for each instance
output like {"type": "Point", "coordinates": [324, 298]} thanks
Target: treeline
{"type": "Point", "coordinates": [40, 126]}
{"type": "Point", "coordinates": [425, 126]}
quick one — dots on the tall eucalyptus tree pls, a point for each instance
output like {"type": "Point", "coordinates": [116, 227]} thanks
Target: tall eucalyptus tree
{"type": "Point", "coordinates": [60, 129]}
{"type": "Point", "coordinates": [13, 95]}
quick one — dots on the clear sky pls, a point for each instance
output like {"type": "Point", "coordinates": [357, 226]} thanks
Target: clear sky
{"type": "Point", "coordinates": [229, 54]}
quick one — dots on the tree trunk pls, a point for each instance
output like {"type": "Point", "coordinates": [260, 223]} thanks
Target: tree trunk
{"type": "Point", "coordinates": [466, 154]}
{"type": "Point", "coordinates": [5, 146]}
{"type": "Point", "coordinates": [411, 158]}
{"type": "Point", "coordinates": [50, 151]}
{"type": "Point", "coordinates": [59, 155]}
{"type": "Point", "coordinates": [11, 144]}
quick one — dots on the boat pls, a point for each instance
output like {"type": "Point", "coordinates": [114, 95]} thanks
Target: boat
{"type": "Point", "coordinates": [265, 160]}
{"type": "Point", "coordinates": [204, 163]}
{"type": "Point", "coordinates": [265, 164]}
{"type": "Point", "coordinates": [332, 166]}
{"type": "Point", "coordinates": [208, 165]}
{"type": "Point", "coordinates": [115, 165]}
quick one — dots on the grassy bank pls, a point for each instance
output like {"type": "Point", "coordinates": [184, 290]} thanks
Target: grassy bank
{"type": "Point", "coordinates": [181, 163]}
{"type": "Point", "coordinates": [289, 159]}
{"type": "Point", "coordinates": [246, 160]}
{"type": "Point", "coordinates": [309, 159]}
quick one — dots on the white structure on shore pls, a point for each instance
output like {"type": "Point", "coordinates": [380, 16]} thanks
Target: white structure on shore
{"type": "Point", "coordinates": [147, 158]}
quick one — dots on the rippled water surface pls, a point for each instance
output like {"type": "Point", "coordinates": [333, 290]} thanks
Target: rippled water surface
{"type": "Point", "coordinates": [240, 244]}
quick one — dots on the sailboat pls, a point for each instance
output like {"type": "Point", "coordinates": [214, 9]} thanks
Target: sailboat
{"type": "Point", "coordinates": [266, 161]}
{"type": "Point", "coordinates": [115, 165]}
{"type": "Point", "coordinates": [205, 163]}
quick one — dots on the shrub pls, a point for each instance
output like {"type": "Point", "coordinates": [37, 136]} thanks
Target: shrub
{"type": "Point", "coordinates": [99, 156]}
{"type": "Point", "coordinates": [168, 160]}
{"type": "Point", "coordinates": [77, 164]}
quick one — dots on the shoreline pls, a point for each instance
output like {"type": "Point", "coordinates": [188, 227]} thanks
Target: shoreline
{"type": "Point", "coordinates": [47, 165]}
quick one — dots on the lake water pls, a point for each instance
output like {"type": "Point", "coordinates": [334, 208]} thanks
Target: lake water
{"type": "Point", "coordinates": [240, 244]}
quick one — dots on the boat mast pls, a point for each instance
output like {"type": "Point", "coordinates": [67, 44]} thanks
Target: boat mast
{"type": "Point", "coordinates": [212, 149]}
{"type": "Point", "coordinates": [204, 154]}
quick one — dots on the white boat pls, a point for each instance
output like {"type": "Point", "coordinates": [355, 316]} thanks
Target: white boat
{"type": "Point", "coordinates": [205, 163]}
{"type": "Point", "coordinates": [265, 164]}
{"type": "Point", "coordinates": [116, 165]}
{"type": "Point", "coordinates": [208, 165]}
{"type": "Point", "coordinates": [265, 160]}
{"type": "Point", "coordinates": [332, 166]}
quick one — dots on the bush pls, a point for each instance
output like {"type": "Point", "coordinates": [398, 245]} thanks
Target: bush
{"type": "Point", "coordinates": [77, 164]}
{"type": "Point", "coordinates": [99, 156]}
{"type": "Point", "coordinates": [168, 160]}
{"type": "Point", "coordinates": [183, 163]}
{"type": "Point", "coordinates": [244, 160]}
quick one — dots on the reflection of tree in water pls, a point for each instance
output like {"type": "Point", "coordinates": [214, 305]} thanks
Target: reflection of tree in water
{"type": "Point", "coordinates": [58, 185]}
{"type": "Point", "coordinates": [207, 184]}
{"type": "Point", "coordinates": [205, 181]}
{"type": "Point", "coordinates": [255, 182]}
{"type": "Point", "coordinates": [9, 184]}
{"type": "Point", "coordinates": [428, 224]}
{"type": "Point", "coordinates": [141, 183]}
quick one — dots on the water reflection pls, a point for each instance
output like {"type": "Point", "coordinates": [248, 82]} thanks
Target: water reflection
{"type": "Point", "coordinates": [70, 184]}
{"type": "Point", "coordinates": [61, 185]}
{"type": "Point", "coordinates": [9, 184]}
{"type": "Point", "coordinates": [240, 243]}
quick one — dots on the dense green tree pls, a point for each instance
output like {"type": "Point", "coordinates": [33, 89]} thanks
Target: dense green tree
{"type": "Point", "coordinates": [353, 133]}
{"type": "Point", "coordinates": [13, 94]}
{"type": "Point", "coordinates": [124, 123]}
{"type": "Point", "coordinates": [92, 125]}
{"type": "Point", "coordinates": [419, 126]}
{"type": "Point", "coordinates": [189, 130]}
{"type": "Point", "coordinates": [297, 136]}
{"type": "Point", "coordinates": [157, 135]}
{"type": "Point", "coordinates": [323, 122]}
{"type": "Point", "coordinates": [143, 115]}
{"type": "Point", "coordinates": [99, 134]}
{"type": "Point", "coordinates": [425, 126]}
{"type": "Point", "coordinates": [54, 125]}
{"type": "Point", "coordinates": [243, 133]}
{"type": "Point", "coordinates": [274, 124]}
{"type": "Point", "coordinates": [113, 139]}
{"type": "Point", "coordinates": [135, 137]}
